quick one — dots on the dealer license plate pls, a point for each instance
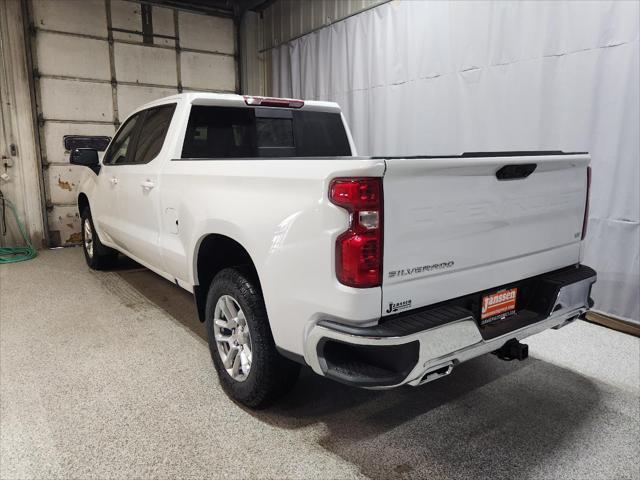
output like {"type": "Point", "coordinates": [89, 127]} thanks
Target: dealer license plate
{"type": "Point", "coordinates": [498, 305]}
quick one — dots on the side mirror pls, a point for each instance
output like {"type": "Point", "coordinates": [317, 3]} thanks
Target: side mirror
{"type": "Point", "coordinates": [85, 157]}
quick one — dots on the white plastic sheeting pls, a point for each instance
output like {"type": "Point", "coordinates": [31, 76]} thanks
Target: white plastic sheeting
{"type": "Point", "coordinates": [421, 77]}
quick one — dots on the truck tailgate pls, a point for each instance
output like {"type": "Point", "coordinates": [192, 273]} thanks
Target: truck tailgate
{"type": "Point", "coordinates": [452, 227]}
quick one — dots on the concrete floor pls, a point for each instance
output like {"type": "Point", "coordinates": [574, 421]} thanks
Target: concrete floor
{"type": "Point", "coordinates": [107, 375]}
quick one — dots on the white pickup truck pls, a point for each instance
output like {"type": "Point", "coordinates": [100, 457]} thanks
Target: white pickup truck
{"type": "Point", "coordinates": [376, 272]}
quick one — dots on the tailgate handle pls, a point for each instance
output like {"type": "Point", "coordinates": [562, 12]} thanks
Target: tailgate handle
{"type": "Point", "coordinates": [515, 172]}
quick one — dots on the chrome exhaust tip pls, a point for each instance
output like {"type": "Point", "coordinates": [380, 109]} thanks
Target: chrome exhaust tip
{"type": "Point", "coordinates": [436, 373]}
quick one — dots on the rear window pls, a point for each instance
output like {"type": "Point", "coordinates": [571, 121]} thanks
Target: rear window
{"type": "Point", "coordinates": [230, 132]}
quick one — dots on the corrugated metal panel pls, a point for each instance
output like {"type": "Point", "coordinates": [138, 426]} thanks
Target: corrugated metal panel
{"type": "Point", "coordinates": [200, 70]}
{"type": "Point", "coordinates": [131, 97]}
{"type": "Point", "coordinates": [66, 55]}
{"type": "Point", "coordinates": [145, 64]}
{"type": "Point", "coordinates": [285, 20]}
{"type": "Point", "coordinates": [69, 99]}
{"type": "Point", "coordinates": [163, 25]}
{"type": "Point", "coordinates": [87, 17]}
{"type": "Point", "coordinates": [212, 34]}
{"type": "Point", "coordinates": [93, 67]}
{"type": "Point", "coordinates": [127, 16]}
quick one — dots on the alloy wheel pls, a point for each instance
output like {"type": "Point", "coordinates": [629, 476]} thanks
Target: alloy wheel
{"type": "Point", "coordinates": [232, 337]}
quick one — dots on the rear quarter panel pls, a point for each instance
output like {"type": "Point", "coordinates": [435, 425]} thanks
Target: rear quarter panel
{"type": "Point", "coordinates": [278, 210]}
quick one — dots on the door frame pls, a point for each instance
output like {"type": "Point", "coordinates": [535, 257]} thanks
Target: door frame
{"type": "Point", "coordinates": [19, 119]}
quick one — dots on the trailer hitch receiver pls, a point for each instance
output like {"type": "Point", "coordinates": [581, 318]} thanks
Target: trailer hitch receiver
{"type": "Point", "coordinates": [512, 350]}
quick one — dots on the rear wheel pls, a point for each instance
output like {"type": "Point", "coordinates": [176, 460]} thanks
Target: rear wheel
{"type": "Point", "coordinates": [97, 255]}
{"type": "Point", "coordinates": [244, 354]}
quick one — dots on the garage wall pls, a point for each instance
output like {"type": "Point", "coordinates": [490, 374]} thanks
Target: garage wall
{"type": "Point", "coordinates": [95, 61]}
{"type": "Point", "coordinates": [22, 185]}
{"type": "Point", "coordinates": [448, 77]}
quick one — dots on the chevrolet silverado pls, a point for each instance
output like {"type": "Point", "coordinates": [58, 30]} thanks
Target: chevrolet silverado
{"type": "Point", "coordinates": [373, 271]}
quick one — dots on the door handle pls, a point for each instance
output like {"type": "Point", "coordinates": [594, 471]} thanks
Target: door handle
{"type": "Point", "coordinates": [147, 185]}
{"type": "Point", "coordinates": [114, 181]}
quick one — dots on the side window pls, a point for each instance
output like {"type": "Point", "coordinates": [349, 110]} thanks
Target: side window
{"type": "Point", "coordinates": [219, 132]}
{"type": "Point", "coordinates": [119, 148]}
{"type": "Point", "coordinates": [153, 132]}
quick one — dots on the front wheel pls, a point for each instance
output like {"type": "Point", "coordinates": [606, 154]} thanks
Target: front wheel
{"type": "Point", "coordinates": [244, 354]}
{"type": "Point", "coordinates": [97, 255]}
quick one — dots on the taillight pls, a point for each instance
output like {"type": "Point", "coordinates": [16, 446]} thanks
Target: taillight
{"type": "Point", "coordinates": [359, 249]}
{"type": "Point", "coordinates": [585, 221]}
{"type": "Point", "coordinates": [273, 102]}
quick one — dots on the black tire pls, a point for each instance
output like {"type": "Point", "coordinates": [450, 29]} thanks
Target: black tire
{"type": "Point", "coordinates": [271, 375]}
{"type": "Point", "coordinates": [102, 257]}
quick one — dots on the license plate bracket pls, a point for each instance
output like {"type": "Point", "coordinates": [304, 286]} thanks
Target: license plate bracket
{"type": "Point", "coordinates": [498, 305]}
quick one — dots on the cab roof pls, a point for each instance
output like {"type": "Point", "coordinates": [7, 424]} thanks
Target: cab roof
{"type": "Point", "coordinates": [241, 101]}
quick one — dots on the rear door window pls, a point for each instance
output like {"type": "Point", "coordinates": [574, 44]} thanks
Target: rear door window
{"type": "Point", "coordinates": [232, 132]}
{"type": "Point", "coordinates": [218, 132]}
{"type": "Point", "coordinates": [153, 132]}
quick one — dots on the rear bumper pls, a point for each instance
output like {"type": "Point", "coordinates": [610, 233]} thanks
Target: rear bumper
{"type": "Point", "coordinates": [422, 346]}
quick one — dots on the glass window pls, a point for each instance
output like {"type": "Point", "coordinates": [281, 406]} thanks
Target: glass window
{"type": "Point", "coordinates": [215, 132]}
{"type": "Point", "coordinates": [275, 132]}
{"type": "Point", "coordinates": [121, 145]}
{"type": "Point", "coordinates": [232, 132]}
{"type": "Point", "coordinates": [320, 134]}
{"type": "Point", "coordinates": [153, 132]}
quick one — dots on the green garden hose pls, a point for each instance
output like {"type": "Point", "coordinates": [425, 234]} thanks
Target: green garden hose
{"type": "Point", "coordinates": [14, 254]}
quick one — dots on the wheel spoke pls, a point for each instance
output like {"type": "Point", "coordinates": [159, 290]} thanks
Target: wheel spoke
{"type": "Point", "coordinates": [223, 338]}
{"type": "Point", "coordinates": [241, 318]}
{"type": "Point", "coordinates": [225, 311]}
{"type": "Point", "coordinates": [229, 314]}
{"type": "Point", "coordinates": [231, 357]}
{"type": "Point", "coordinates": [222, 323]}
{"type": "Point", "coordinates": [236, 365]}
{"type": "Point", "coordinates": [245, 363]}
{"type": "Point", "coordinates": [231, 308]}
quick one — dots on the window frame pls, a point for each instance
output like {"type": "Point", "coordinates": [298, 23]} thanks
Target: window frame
{"type": "Point", "coordinates": [132, 148]}
{"type": "Point", "coordinates": [116, 137]}
{"type": "Point", "coordinates": [267, 152]}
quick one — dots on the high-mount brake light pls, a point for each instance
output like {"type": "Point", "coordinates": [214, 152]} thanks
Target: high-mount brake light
{"type": "Point", "coordinates": [585, 221]}
{"type": "Point", "coordinates": [273, 102]}
{"type": "Point", "coordinates": [359, 249]}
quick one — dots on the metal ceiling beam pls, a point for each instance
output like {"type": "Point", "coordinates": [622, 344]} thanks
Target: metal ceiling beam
{"type": "Point", "coordinates": [246, 5]}
{"type": "Point", "coordinates": [222, 8]}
